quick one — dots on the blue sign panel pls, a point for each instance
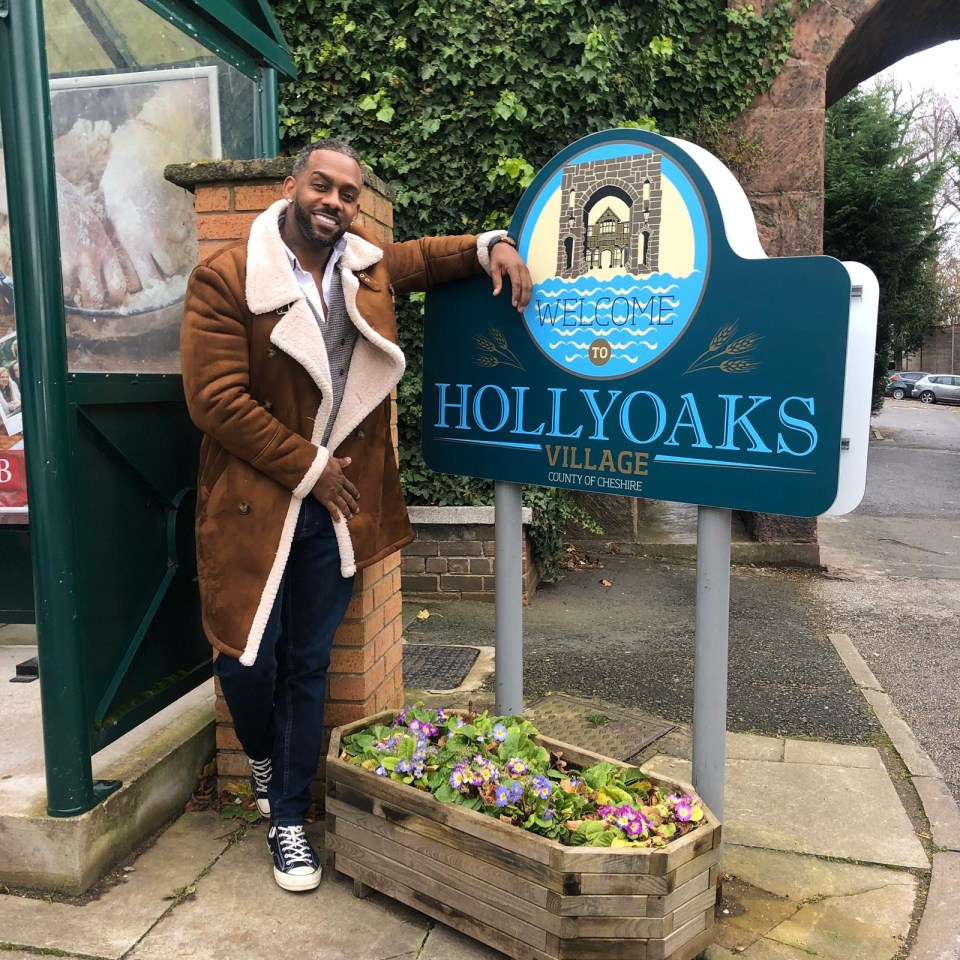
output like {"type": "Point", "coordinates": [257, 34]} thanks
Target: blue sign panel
{"type": "Point", "coordinates": [653, 359]}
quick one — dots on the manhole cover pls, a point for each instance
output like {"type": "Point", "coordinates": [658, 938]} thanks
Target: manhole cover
{"type": "Point", "coordinates": [600, 727]}
{"type": "Point", "coordinates": [431, 667]}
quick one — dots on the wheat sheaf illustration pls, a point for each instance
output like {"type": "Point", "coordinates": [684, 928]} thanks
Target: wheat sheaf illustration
{"type": "Point", "coordinates": [496, 351]}
{"type": "Point", "coordinates": [728, 352]}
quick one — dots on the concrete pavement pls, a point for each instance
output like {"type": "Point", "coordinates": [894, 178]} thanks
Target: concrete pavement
{"type": "Point", "coordinates": [841, 837]}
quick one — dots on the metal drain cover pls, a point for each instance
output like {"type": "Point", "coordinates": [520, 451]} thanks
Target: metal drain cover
{"type": "Point", "coordinates": [427, 666]}
{"type": "Point", "coordinates": [601, 727]}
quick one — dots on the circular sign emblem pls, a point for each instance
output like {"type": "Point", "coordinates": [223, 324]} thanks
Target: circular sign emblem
{"type": "Point", "coordinates": [615, 236]}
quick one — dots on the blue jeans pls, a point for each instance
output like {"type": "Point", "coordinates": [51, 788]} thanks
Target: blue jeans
{"type": "Point", "coordinates": [277, 704]}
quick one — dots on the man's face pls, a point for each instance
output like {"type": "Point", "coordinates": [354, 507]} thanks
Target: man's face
{"type": "Point", "coordinates": [326, 196]}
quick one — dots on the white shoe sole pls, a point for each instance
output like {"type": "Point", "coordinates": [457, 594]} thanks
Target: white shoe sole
{"type": "Point", "coordinates": [264, 807]}
{"type": "Point", "coordinates": [297, 884]}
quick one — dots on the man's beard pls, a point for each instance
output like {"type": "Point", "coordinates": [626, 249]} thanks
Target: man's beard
{"type": "Point", "coordinates": [309, 231]}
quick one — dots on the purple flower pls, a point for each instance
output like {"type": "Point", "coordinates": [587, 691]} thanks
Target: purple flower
{"type": "Point", "coordinates": [542, 787]}
{"type": "Point", "coordinates": [684, 809]}
{"type": "Point", "coordinates": [499, 733]}
{"type": "Point", "coordinates": [382, 771]}
{"type": "Point", "coordinates": [502, 795]}
{"type": "Point", "coordinates": [515, 767]}
{"type": "Point", "coordinates": [489, 774]}
{"type": "Point", "coordinates": [516, 790]}
{"type": "Point", "coordinates": [547, 813]}
{"type": "Point", "coordinates": [458, 778]}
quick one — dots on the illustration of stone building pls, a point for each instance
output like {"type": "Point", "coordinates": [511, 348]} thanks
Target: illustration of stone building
{"type": "Point", "coordinates": [588, 242]}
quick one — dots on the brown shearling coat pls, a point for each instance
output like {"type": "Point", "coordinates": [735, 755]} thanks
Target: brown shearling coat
{"type": "Point", "coordinates": [256, 380]}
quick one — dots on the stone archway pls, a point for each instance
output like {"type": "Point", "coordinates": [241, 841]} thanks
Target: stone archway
{"type": "Point", "coordinates": [837, 44]}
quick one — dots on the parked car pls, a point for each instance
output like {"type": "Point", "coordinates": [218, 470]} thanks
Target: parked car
{"type": "Point", "coordinates": [901, 382]}
{"type": "Point", "coordinates": [937, 388]}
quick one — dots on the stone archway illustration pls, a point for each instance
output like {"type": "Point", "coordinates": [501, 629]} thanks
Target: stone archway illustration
{"type": "Point", "coordinates": [587, 187]}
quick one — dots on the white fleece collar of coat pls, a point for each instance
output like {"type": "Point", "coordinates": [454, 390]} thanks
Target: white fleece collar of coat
{"type": "Point", "coordinates": [270, 281]}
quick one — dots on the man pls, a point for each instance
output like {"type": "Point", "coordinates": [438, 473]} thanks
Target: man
{"type": "Point", "coordinates": [289, 355]}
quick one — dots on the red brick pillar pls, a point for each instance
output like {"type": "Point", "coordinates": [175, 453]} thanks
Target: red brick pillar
{"type": "Point", "coordinates": [366, 669]}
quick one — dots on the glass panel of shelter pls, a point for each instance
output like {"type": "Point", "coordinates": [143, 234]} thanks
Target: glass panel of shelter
{"type": "Point", "coordinates": [129, 94]}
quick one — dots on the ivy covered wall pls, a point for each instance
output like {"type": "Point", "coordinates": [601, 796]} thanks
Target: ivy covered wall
{"type": "Point", "coordinates": [456, 104]}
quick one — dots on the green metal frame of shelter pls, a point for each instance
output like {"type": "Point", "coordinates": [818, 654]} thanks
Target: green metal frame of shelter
{"type": "Point", "coordinates": [110, 458]}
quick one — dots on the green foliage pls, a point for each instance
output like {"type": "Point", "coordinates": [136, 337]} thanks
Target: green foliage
{"type": "Point", "coordinates": [456, 105]}
{"type": "Point", "coordinates": [878, 209]}
{"type": "Point", "coordinates": [495, 765]}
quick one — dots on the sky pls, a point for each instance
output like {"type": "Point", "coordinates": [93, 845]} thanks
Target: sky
{"type": "Point", "coordinates": [937, 68]}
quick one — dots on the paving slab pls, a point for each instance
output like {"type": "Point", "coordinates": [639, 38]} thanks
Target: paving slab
{"type": "Point", "coordinates": [832, 754]}
{"type": "Point", "coordinates": [812, 808]}
{"type": "Point", "coordinates": [750, 746]}
{"type": "Point", "coordinates": [801, 878]}
{"type": "Point", "coordinates": [111, 925]}
{"type": "Point", "coordinates": [446, 944]}
{"type": "Point", "coordinates": [748, 913]}
{"type": "Point", "coordinates": [872, 925]}
{"type": "Point", "coordinates": [265, 921]}
{"type": "Point", "coordinates": [781, 905]}
{"type": "Point", "coordinates": [770, 950]}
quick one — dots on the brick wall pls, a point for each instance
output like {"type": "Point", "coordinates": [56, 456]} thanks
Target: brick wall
{"type": "Point", "coordinates": [452, 557]}
{"type": "Point", "coordinates": [366, 672]}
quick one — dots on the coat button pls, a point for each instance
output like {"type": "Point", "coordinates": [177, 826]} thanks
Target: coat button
{"type": "Point", "coordinates": [267, 405]}
{"type": "Point", "coordinates": [272, 352]}
{"type": "Point", "coordinates": [361, 434]}
{"type": "Point", "coordinates": [244, 508]}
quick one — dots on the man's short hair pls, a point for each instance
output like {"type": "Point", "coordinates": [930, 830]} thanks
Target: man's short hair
{"type": "Point", "coordinates": [337, 146]}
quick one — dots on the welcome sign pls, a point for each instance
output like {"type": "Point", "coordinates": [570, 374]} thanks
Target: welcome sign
{"type": "Point", "coordinates": [662, 354]}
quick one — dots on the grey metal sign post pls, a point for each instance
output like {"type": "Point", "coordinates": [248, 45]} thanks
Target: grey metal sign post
{"type": "Point", "coordinates": [508, 556]}
{"type": "Point", "coordinates": [710, 655]}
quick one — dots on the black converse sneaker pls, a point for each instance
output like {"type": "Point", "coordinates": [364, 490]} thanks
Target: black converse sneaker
{"type": "Point", "coordinates": [295, 863]}
{"type": "Point", "coordinates": [262, 770]}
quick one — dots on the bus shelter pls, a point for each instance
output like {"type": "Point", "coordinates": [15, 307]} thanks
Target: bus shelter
{"type": "Point", "coordinates": [97, 454]}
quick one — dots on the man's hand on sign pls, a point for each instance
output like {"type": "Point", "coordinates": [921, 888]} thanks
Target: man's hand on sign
{"type": "Point", "coordinates": [505, 261]}
{"type": "Point", "coordinates": [335, 491]}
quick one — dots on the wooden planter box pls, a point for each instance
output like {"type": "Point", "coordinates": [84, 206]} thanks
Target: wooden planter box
{"type": "Point", "coordinates": [522, 894]}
